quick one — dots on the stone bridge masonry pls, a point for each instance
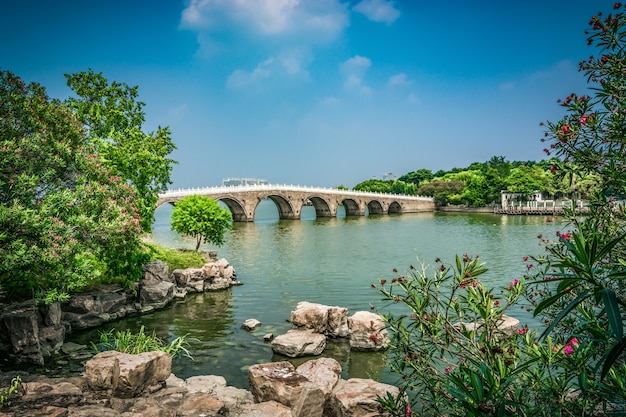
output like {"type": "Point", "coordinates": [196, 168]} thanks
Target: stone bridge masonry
{"type": "Point", "coordinates": [289, 199]}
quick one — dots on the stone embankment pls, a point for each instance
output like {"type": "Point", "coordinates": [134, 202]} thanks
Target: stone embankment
{"type": "Point", "coordinates": [31, 332]}
{"type": "Point", "coordinates": [121, 385]}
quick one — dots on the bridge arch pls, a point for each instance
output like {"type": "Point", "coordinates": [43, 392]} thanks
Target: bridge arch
{"type": "Point", "coordinates": [394, 207]}
{"type": "Point", "coordinates": [375, 207]}
{"type": "Point", "coordinates": [237, 210]}
{"type": "Point", "coordinates": [322, 207]}
{"type": "Point", "coordinates": [353, 208]}
{"type": "Point", "coordinates": [286, 209]}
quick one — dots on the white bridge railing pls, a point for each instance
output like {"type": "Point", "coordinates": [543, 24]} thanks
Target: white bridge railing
{"type": "Point", "coordinates": [184, 192]}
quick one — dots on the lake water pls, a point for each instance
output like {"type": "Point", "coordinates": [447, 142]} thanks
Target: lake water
{"type": "Point", "coordinates": [331, 261]}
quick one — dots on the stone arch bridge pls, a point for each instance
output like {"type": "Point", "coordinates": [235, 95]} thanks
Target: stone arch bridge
{"type": "Point", "coordinates": [289, 199]}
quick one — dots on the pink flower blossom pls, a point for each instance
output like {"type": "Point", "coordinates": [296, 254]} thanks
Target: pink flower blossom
{"type": "Point", "coordinates": [565, 128]}
{"type": "Point", "coordinates": [583, 119]}
{"type": "Point", "coordinates": [447, 369]}
{"type": "Point", "coordinates": [523, 330]}
{"type": "Point", "coordinates": [408, 410]}
{"type": "Point", "coordinates": [568, 350]}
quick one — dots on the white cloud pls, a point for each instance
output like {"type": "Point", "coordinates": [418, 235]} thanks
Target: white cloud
{"type": "Point", "coordinates": [241, 78]}
{"type": "Point", "coordinates": [289, 63]}
{"type": "Point", "coordinates": [354, 70]}
{"type": "Point", "coordinates": [412, 99]}
{"type": "Point", "coordinates": [313, 20]}
{"type": "Point", "coordinates": [382, 11]}
{"type": "Point", "coordinates": [399, 80]}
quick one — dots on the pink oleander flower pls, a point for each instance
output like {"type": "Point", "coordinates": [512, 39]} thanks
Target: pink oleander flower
{"type": "Point", "coordinates": [523, 330]}
{"type": "Point", "coordinates": [408, 410]}
{"type": "Point", "coordinates": [514, 282]}
{"type": "Point", "coordinates": [565, 128]}
{"type": "Point", "coordinates": [447, 369]}
{"type": "Point", "coordinates": [568, 350]}
{"type": "Point", "coordinates": [583, 119]}
{"type": "Point", "coordinates": [573, 342]}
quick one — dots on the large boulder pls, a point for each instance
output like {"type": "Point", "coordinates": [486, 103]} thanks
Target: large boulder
{"type": "Point", "coordinates": [156, 271]}
{"type": "Point", "coordinates": [296, 343]}
{"type": "Point", "coordinates": [23, 328]}
{"type": "Point", "coordinates": [356, 397]}
{"type": "Point", "coordinates": [127, 375]}
{"type": "Point", "coordinates": [325, 373]}
{"type": "Point", "coordinates": [368, 331]}
{"type": "Point", "coordinates": [156, 295]}
{"type": "Point", "coordinates": [279, 381]}
{"type": "Point", "coordinates": [330, 321]}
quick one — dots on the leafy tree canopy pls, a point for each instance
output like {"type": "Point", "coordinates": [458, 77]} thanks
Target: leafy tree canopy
{"type": "Point", "coordinates": [201, 217]}
{"type": "Point", "coordinates": [113, 118]}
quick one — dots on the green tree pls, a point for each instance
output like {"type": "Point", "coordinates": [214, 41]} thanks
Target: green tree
{"type": "Point", "coordinates": [417, 177]}
{"type": "Point", "coordinates": [585, 293]}
{"type": "Point", "coordinates": [443, 191]}
{"type": "Point", "coordinates": [64, 218]}
{"type": "Point", "coordinates": [374, 186]}
{"type": "Point", "coordinates": [201, 218]}
{"type": "Point", "coordinates": [114, 117]}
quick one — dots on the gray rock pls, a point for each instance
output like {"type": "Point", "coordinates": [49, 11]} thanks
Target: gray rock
{"type": "Point", "coordinates": [296, 343]}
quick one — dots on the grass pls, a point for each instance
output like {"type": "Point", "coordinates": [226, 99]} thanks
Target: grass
{"type": "Point", "coordinates": [176, 258]}
{"type": "Point", "coordinates": [140, 342]}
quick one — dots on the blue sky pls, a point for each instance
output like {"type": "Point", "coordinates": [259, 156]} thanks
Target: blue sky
{"type": "Point", "coordinates": [318, 92]}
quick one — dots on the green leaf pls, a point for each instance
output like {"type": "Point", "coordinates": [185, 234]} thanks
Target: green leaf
{"type": "Point", "coordinates": [613, 313]}
{"type": "Point", "coordinates": [611, 357]}
{"type": "Point", "coordinates": [565, 312]}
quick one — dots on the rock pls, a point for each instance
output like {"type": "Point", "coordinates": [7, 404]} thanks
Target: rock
{"type": "Point", "coordinates": [330, 321]}
{"type": "Point", "coordinates": [51, 314]}
{"type": "Point", "coordinates": [191, 279]}
{"type": "Point", "coordinates": [268, 337]}
{"type": "Point", "coordinates": [127, 375]}
{"type": "Point", "coordinates": [296, 343]}
{"type": "Point", "coordinates": [156, 271]}
{"type": "Point", "coordinates": [51, 339]}
{"type": "Point", "coordinates": [250, 324]}
{"type": "Point", "coordinates": [23, 328]}
{"type": "Point", "coordinates": [280, 382]}
{"type": "Point", "coordinates": [356, 397]}
{"type": "Point", "coordinates": [157, 295]}
{"type": "Point", "coordinates": [265, 409]}
{"type": "Point", "coordinates": [40, 394]}
{"type": "Point", "coordinates": [368, 331]}
{"type": "Point", "coordinates": [323, 372]}
{"type": "Point", "coordinates": [507, 326]}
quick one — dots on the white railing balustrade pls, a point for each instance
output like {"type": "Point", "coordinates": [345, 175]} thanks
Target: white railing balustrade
{"type": "Point", "coordinates": [281, 187]}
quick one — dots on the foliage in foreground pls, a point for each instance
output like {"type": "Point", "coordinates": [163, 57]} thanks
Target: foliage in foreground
{"type": "Point", "coordinates": [455, 359]}
{"type": "Point", "coordinates": [201, 218]}
{"type": "Point", "coordinates": [576, 365]}
{"type": "Point", "coordinates": [65, 219]}
{"type": "Point", "coordinates": [15, 389]}
{"type": "Point", "coordinates": [140, 342]}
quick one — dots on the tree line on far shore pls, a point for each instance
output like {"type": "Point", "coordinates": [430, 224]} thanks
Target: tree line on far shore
{"type": "Point", "coordinates": [481, 183]}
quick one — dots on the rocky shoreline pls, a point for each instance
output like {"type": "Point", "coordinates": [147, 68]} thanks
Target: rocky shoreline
{"type": "Point", "coordinates": [31, 332]}
{"type": "Point", "coordinates": [118, 384]}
